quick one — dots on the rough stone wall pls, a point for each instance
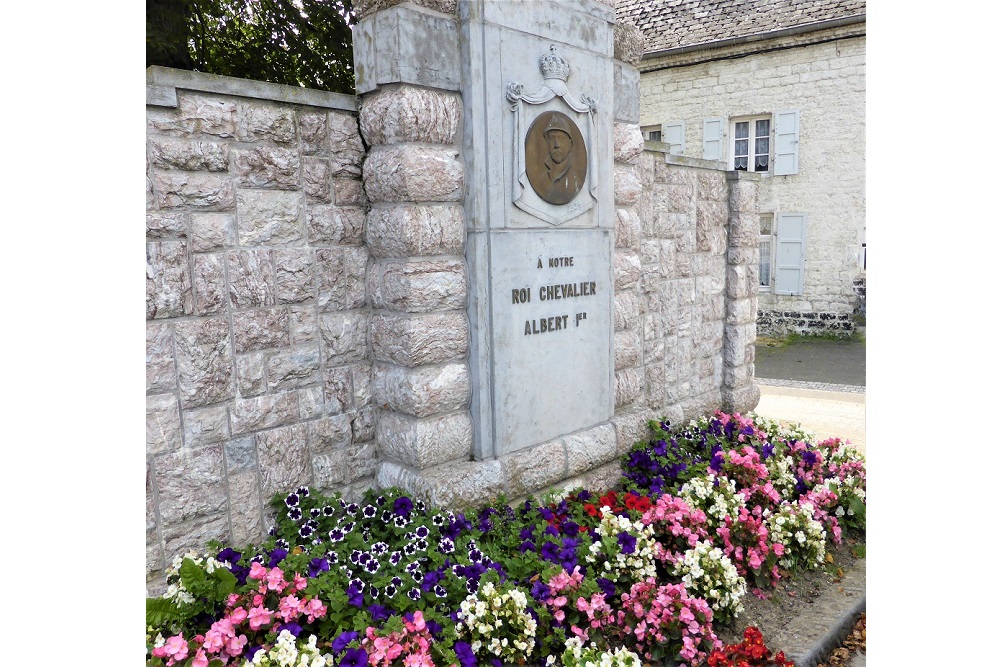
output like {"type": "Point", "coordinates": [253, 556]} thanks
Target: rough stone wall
{"type": "Point", "coordinates": [258, 361]}
{"type": "Point", "coordinates": [826, 83]}
{"type": "Point", "coordinates": [695, 289]}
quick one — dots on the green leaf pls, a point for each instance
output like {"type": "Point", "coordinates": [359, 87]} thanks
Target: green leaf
{"type": "Point", "coordinates": [161, 612]}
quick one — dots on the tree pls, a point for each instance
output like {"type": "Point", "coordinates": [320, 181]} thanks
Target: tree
{"type": "Point", "coordinates": [296, 42]}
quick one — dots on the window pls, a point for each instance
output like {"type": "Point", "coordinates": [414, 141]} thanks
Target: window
{"type": "Point", "coordinates": [652, 133]}
{"type": "Point", "coordinates": [752, 144]}
{"type": "Point", "coordinates": [766, 250]}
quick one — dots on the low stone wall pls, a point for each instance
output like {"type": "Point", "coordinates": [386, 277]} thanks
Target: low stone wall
{"type": "Point", "coordinates": [258, 363]}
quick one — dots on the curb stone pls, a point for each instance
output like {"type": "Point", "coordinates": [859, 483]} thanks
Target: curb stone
{"type": "Point", "coordinates": [811, 638]}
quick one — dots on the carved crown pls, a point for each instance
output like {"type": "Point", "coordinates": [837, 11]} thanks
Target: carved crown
{"type": "Point", "coordinates": [554, 67]}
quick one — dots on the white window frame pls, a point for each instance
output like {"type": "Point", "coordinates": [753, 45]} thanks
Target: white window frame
{"type": "Point", "coordinates": [751, 142]}
{"type": "Point", "coordinates": [649, 130]}
{"type": "Point", "coordinates": [772, 240]}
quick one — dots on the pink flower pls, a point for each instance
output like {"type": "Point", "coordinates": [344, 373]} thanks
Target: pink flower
{"type": "Point", "coordinates": [300, 582]}
{"type": "Point", "coordinates": [276, 579]}
{"type": "Point", "coordinates": [238, 615]}
{"type": "Point", "coordinates": [176, 648]}
{"type": "Point", "coordinates": [214, 640]}
{"type": "Point", "coordinates": [259, 617]}
{"type": "Point", "coordinates": [257, 571]}
{"type": "Point", "coordinates": [234, 646]}
{"type": "Point", "coordinates": [288, 608]}
{"type": "Point", "coordinates": [200, 659]}
{"type": "Point", "coordinates": [314, 609]}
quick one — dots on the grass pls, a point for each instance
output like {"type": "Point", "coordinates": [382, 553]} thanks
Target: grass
{"type": "Point", "coordinates": [792, 338]}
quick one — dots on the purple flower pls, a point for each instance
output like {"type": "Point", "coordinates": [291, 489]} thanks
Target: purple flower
{"type": "Point", "coordinates": [251, 652]}
{"type": "Point", "coordinates": [584, 495]}
{"type": "Point", "coordinates": [527, 546]}
{"type": "Point", "coordinates": [293, 628]}
{"type": "Point", "coordinates": [355, 597]}
{"type": "Point", "coordinates": [317, 565]}
{"type": "Point", "coordinates": [627, 542]}
{"type": "Point", "coordinates": [229, 556]}
{"type": "Point", "coordinates": [528, 533]}
{"type": "Point", "coordinates": [607, 587]}
{"type": "Point", "coordinates": [540, 591]}
{"type": "Point", "coordinates": [550, 551]}
{"type": "Point", "coordinates": [766, 451]}
{"type": "Point", "coordinates": [717, 460]}
{"type": "Point", "coordinates": [571, 528]}
{"type": "Point", "coordinates": [277, 556]}
{"type": "Point", "coordinates": [546, 513]}
{"type": "Point", "coordinates": [378, 612]}
{"type": "Point", "coordinates": [465, 656]}
{"type": "Point", "coordinates": [403, 506]}
{"type": "Point", "coordinates": [809, 458]}
{"type": "Point", "coordinates": [354, 657]}
{"type": "Point", "coordinates": [434, 627]}
{"type": "Point", "coordinates": [496, 662]}
{"type": "Point", "coordinates": [341, 642]}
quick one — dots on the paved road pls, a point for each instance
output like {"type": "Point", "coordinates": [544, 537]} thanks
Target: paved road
{"type": "Point", "coordinates": [824, 361]}
{"type": "Point", "coordinates": [819, 384]}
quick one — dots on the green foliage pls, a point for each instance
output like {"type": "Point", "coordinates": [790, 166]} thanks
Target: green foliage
{"type": "Point", "coordinates": [295, 42]}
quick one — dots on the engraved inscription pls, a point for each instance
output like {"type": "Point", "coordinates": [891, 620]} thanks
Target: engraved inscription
{"type": "Point", "coordinates": [555, 157]}
{"type": "Point", "coordinates": [522, 295]}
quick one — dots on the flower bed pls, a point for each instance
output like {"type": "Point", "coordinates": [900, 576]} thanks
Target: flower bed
{"type": "Point", "coordinates": [626, 577]}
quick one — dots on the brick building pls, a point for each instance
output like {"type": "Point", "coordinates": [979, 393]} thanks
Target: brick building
{"type": "Point", "coordinates": [775, 87]}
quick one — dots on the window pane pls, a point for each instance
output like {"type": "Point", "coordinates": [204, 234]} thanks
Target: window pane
{"type": "Point", "coordinates": [760, 146]}
{"type": "Point", "coordinates": [654, 136]}
{"type": "Point", "coordinates": [763, 128]}
{"type": "Point", "coordinates": [760, 164]}
{"type": "Point", "coordinates": [742, 130]}
{"type": "Point", "coordinates": [765, 262]}
{"type": "Point", "coordinates": [740, 163]}
{"type": "Point", "coordinates": [765, 225]}
{"type": "Point", "coordinates": [742, 147]}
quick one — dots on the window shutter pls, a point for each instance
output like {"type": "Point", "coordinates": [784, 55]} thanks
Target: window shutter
{"type": "Point", "coordinates": [786, 143]}
{"type": "Point", "coordinates": [673, 134]}
{"type": "Point", "coordinates": [711, 147]}
{"type": "Point", "coordinates": [790, 259]}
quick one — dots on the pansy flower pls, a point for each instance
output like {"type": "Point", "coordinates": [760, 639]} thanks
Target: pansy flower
{"type": "Point", "coordinates": [369, 511]}
{"type": "Point", "coordinates": [413, 594]}
{"type": "Point", "coordinates": [292, 500]}
{"type": "Point", "coordinates": [295, 514]}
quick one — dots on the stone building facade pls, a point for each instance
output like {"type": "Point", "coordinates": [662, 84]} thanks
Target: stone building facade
{"type": "Point", "coordinates": [315, 289]}
{"type": "Point", "coordinates": [710, 65]}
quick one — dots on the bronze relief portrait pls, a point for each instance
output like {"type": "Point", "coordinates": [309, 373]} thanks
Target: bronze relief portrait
{"type": "Point", "coordinates": [555, 157]}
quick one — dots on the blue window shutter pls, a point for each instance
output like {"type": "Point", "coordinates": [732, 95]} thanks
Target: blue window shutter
{"type": "Point", "coordinates": [673, 134]}
{"type": "Point", "coordinates": [786, 143]}
{"type": "Point", "coordinates": [790, 256]}
{"type": "Point", "coordinates": [711, 146]}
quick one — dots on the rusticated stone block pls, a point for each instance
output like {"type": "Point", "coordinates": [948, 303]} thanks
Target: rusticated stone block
{"type": "Point", "coordinates": [196, 115]}
{"type": "Point", "coordinates": [743, 195]}
{"type": "Point", "coordinates": [423, 391]}
{"type": "Point", "coordinates": [737, 338]}
{"type": "Point", "coordinates": [260, 329]}
{"type": "Point", "coordinates": [168, 281]}
{"type": "Point", "coordinates": [263, 412]}
{"type": "Point", "coordinates": [335, 225]}
{"type": "Point", "coordinates": [588, 449]}
{"type": "Point", "coordinates": [284, 460]}
{"type": "Point", "coordinates": [212, 231]}
{"type": "Point", "coordinates": [742, 400]}
{"type": "Point", "coordinates": [303, 323]}
{"type": "Point", "coordinates": [712, 186]}
{"type": "Point", "coordinates": [631, 427]}
{"type": "Point", "coordinates": [241, 455]}
{"type": "Point", "coordinates": [529, 470]}
{"type": "Point", "coordinates": [744, 230]}
{"type": "Point", "coordinates": [346, 149]}
{"type": "Point", "coordinates": [741, 311]}
{"type": "Point", "coordinates": [629, 43]}
{"type": "Point", "coordinates": [414, 173]}
{"type": "Point", "coordinates": [338, 390]}
{"type": "Point", "coordinates": [363, 422]}
{"type": "Point", "coordinates": [272, 217]}
{"type": "Point", "coordinates": [314, 132]}
{"type": "Point", "coordinates": [456, 486]}
{"type": "Point", "coordinates": [250, 374]}
{"type": "Point", "coordinates": [628, 187]}
{"type": "Point", "coordinates": [210, 294]}
{"type": "Point", "coordinates": [408, 114]}
{"type": "Point", "coordinates": [316, 178]}
{"type": "Point", "coordinates": [195, 189]}
{"type": "Point", "coordinates": [416, 230]}
{"type": "Point", "coordinates": [311, 403]}
{"type": "Point", "coordinates": [163, 424]}
{"type": "Point", "coordinates": [329, 434]}
{"type": "Point", "coordinates": [355, 270]}
{"type": "Point", "coordinates": [190, 483]}
{"type": "Point", "coordinates": [415, 340]}
{"type": "Point", "coordinates": [628, 228]}
{"type": "Point", "coordinates": [204, 361]}
{"type": "Point", "coordinates": [424, 443]}
{"type": "Point", "coordinates": [741, 281]}
{"type": "Point", "coordinates": [344, 336]}
{"type": "Point", "coordinates": [189, 155]}
{"type": "Point", "coordinates": [267, 167]}
{"type": "Point", "coordinates": [345, 465]}
{"type": "Point", "coordinates": [628, 348]}
{"type": "Point", "coordinates": [245, 508]}
{"type": "Point", "coordinates": [628, 386]}
{"type": "Point", "coordinates": [294, 275]}
{"type": "Point", "coordinates": [251, 278]}
{"type": "Point", "coordinates": [418, 286]}
{"type": "Point", "coordinates": [627, 269]}
{"type": "Point", "coordinates": [260, 121]}
{"type": "Point", "coordinates": [161, 372]}
{"type": "Point", "coordinates": [294, 367]}
{"type": "Point", "coordinates": [628, 143]}
{"type": "Point", "coordinates": [349, 192]}
{"type": "Point", "coordinates": [206, 426]}
{"type": "Point", "coordinates": [626, 310]}
{"type": "Point", "coordinates": [166, 224]}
